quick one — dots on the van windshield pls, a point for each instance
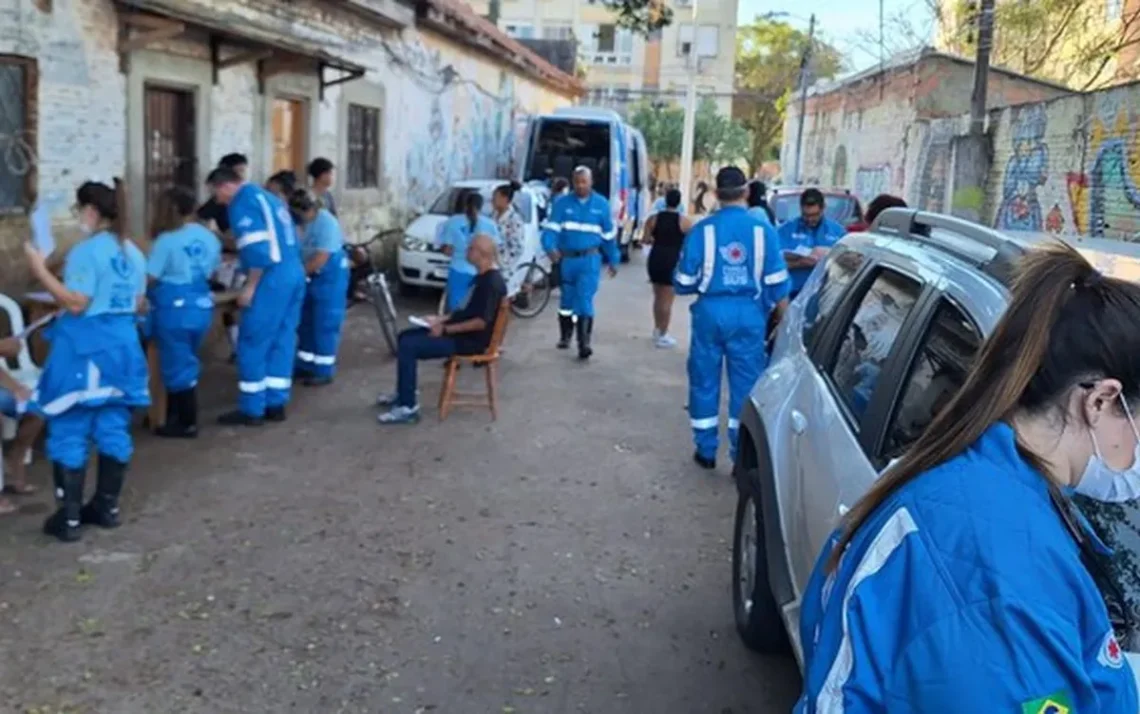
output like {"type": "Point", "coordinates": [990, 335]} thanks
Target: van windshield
{"type": "Point", "coordinates": [563, 144]}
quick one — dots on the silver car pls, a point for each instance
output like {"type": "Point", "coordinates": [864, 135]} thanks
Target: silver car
{"type": "Point", "coordinates": [881, 337]}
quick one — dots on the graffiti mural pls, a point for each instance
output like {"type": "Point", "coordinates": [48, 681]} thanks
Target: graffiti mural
{"type": "Point", "coordinates": [470, 132]}
{"type": "Point", "coordinates": [929, 192]}
{"type": "Point", "coordinates": [870, 181]}
{"type": "Point", "coordinates": [1105, 199]}
{"type": "Point", "coordinates": [1026, 171]}
{"type": "Point", "coordinates": [839, 168]}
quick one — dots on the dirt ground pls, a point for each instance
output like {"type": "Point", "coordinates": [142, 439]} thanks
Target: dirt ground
{"type": "Point", "coordinates": [565, 558]}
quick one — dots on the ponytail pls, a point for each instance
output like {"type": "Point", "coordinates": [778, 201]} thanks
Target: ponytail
{"type": "Point", "coordinates": [1045, 342]}
{"type": "Point", "coordinates": [119, 220]}
{"type": "Point", "coordinates": [472, 204]}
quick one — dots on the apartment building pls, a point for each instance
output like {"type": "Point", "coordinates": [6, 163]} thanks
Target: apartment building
{"type": "Point", "coordinates": [623, 68]}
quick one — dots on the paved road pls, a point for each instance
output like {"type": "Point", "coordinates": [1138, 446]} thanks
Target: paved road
{"type": "Point", "coordinates": [566, 558]}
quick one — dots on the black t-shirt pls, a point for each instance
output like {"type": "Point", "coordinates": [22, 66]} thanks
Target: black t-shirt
{"type": "Point", "coordinates": [487, 291]}
{"type": "Point", "coordinates": [219, 214]}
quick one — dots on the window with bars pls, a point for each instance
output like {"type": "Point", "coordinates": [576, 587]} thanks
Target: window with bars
{"type": "Point", "coordinates": [17, 132]}
{"type": "Point", "coordinates": [363, 147]}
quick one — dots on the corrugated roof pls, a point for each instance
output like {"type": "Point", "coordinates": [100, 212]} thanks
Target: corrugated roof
{"type": "Point", "coordinates": [462, 14]}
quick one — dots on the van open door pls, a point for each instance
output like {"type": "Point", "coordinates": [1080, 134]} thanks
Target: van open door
{"type": "Point", "coordinates": [523, 146]}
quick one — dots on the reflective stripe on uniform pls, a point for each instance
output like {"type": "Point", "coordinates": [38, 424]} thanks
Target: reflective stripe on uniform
{"type": "Point", "coordinates": [582, 227]}
{"type": "Point", "coordinates": [757, 257]}
{"type": "Point", "coordinates": [733, 423]}
{"type": "Point", "coordinates": [550, 226]}
{"type": "Point", "coordinates": [271, 228]}
{"type": "Point", "coordinates": [888, 540]}
{"type": "Point", "coordinates": [706, 423]}
{"type": "Point", "coordinates": [252, 387]}
{"type": "Point", "coordinates": [306, 356]}
{"type": "Point", "coordinates": [687, 280]}
{"type": "Point", "coordinates": [324, 360]}
{"type": "Point", "coordinates": [278, 382]}
{"type": "Point", "coordinates": [776, 278]}
{"type": "Point", "coordinates": [709, 257]}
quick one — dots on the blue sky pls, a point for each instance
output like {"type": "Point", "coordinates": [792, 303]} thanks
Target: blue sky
{"type": "Point", "coordinates": [839, 20]}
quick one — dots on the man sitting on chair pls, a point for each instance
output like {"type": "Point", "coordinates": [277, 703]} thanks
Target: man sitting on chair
{"type": "Point", "coordinates": [466, 331]}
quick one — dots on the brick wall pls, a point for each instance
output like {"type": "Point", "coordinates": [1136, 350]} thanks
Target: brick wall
{"type": "Point", "coordinates": [90, 118]}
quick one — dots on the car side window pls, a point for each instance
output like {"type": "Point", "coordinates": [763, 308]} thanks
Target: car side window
{"type": "Point", "coordinates": [869, 337]}
{"type": "Point", "coordinates": [840, 270]}
{"type": "Point", "coordinates": [939, 370]}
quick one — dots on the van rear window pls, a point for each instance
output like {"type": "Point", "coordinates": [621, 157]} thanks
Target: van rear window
{"type": "Point", "coordinates": [564, 144]}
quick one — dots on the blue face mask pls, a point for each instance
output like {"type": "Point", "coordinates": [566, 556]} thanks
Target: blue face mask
{"type": "Point", "coordinates": [1103, 483]}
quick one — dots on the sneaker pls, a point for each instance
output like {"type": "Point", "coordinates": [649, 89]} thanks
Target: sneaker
{"type": "Point", "coordinates": [665, 341]}
{"type": "Point", "coordinates": [387, 399]}
{"type": "Point", "coordinates": [400, 415]}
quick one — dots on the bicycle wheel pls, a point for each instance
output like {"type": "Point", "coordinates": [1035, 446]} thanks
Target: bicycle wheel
{"type": "Point", "coordinates": [385, 309]}
{"type": "Point", "coordinates": [534, 290]}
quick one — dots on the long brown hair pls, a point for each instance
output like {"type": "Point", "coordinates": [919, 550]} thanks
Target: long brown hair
{"type": "Point", "coordinates": [109, 203]}
{"type": "Point", "coordinates": [175, 205]}
{"type": "Point", "coordinates": [1065, 323]}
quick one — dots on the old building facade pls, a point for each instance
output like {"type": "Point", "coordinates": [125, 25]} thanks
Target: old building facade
{"type": "Point", "coordinates": [403, 97]}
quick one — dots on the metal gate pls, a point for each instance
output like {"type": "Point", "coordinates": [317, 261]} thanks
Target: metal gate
{"type": "Point", "coordinates": [171, 156]}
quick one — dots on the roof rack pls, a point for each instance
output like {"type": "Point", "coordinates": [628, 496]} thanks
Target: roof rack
{"type": "Point", "coordinates": [925, 227]}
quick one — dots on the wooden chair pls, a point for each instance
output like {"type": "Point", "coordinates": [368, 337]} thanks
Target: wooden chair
{"type": "Point", "coordinates": [489, 360]}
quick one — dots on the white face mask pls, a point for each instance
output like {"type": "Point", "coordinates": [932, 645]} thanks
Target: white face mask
{"type": "Point", "coordinates": [1103, 483]}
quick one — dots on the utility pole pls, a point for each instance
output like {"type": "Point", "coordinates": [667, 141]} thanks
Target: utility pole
{"type": "Point", "coordinates": [971, 153]}
{"type": "Point", "coordinates": [982, 68]}
{"type": "Point", "coordinates": [687, 137]}
{"type": "Point", "coordinates": [805, 63]}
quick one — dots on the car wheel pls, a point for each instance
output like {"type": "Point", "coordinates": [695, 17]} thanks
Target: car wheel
{"type": "Point", "coordinates": [757, 615]}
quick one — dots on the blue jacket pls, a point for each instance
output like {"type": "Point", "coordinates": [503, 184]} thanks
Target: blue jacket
{"type": "Point", "coordinates": [457, 233]}
{"type": "Point", "coordinates": [576, 224]}
{"type": "Point", "coordinates": [797, 237]}
{"type": "Point", "coordinates": [963, 592]}
{"type": "Point", "coordinates": [265, 232]}
{"type": "Point", "coordinates": [732, 253]}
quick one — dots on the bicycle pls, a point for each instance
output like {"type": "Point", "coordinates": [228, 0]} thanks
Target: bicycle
{"type": "Point", "coordinates": [378, 291]}
{"type": "Point", "coordinates": [529, 288]}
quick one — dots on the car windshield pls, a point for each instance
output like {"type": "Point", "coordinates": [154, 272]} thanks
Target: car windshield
{"type": "Point", "coordinates": [1118, 525]}
{"type": "Point", "coordinates": [841, 209]}
{"type": "Point", "coordinates": [450, 202]}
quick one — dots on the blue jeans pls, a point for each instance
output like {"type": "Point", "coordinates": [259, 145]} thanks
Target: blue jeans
{"type": "Point", "coordinates": [416, 344]}
{"type": "Point", "coordinates": [7, 403]}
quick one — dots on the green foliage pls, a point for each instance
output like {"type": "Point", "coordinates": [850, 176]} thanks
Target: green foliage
{"type": "Point", "coordinates": [768, 57]}
{"type": "Point", "coordinates": [717, 138]}
{"type": "Point", "coordinates": [641, 16]}
{"type": "Point", "coordinates": [663, 126]}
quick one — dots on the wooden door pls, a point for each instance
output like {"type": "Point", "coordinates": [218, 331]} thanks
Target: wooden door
{"type": "Point", "coordinates": [289, 135]}
{"type": "Point", "coordinates": [170, 145]}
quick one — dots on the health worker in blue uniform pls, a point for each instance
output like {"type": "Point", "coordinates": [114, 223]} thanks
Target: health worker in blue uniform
{"type": "Point", "coordinates": [454, 238]}
{"type": "Point", "coordinates": [184, 256]}
{"type": "Point", "coordinates": [96, 371]}
{"type": "Point", "coordinates": [271, 298]}
{"type": "Point", "coordinates": [807, 238]}
{"type": "Point", "coordinates": [326, 265]}
{"type": "Point", "coordinates": [732, 263]}
{"type": "Point", "coordinates": [578, 235]}
{"type": "Point", "coordinates": [965, 580]}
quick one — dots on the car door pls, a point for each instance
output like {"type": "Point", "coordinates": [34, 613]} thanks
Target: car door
{"type": "Point", "coordinates": [830, 418]}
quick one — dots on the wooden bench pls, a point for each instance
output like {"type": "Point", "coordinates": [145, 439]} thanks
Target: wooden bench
{"type": "Point", "coordinates": [489, 360]}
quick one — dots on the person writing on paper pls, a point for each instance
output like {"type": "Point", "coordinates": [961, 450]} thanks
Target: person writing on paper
{"type": "Point", "coordinates": [270, 299]}
{"type": "Point", "coordinates": [184, 256]}
{"type": "Point", "coordinates": [965, 579]}
{"type": "Point", "coordinates": [326, 265]}
{"type": "Point", "coordinates": [454, 238]}
{"type": "Point", "coordinates": [13, 398]}
{"type": "Point", "coordinates": [807, 238]}
{"type": "Point", "coordinates": [96, 371]}
{"type": "Point", "coordinates": [466, 331]}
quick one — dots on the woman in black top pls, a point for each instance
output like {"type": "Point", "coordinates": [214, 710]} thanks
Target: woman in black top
{"type": "Point", "coordinates": [665, 231]}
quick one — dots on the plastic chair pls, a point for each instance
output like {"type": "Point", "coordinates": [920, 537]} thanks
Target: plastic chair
{"type": "Point", "coordinates": [489, 360]}
{"type": "Point", "coordinates": [26, 371]}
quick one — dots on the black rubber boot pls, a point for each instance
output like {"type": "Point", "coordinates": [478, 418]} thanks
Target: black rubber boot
{"type": "Point", "coordinates": [64, 523]}
{"type": "Point", "coordinates": [182, 416]}
{"type": "Point", "coordinates": [585, 332]}
{"type": "Point", "coordinates": [703, 462]}
{"type": "Point", "coordinates": [565, 331]}
{"type": "Point", "coordinates": [103, 508]}
{"type": "Point", "coordinates": [275, 413]}
{"type": "Point", "coordinates": [239, 418]}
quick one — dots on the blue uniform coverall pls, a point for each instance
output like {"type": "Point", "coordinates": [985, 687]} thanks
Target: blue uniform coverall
{"type": "Point", "coordinates": [582, 230]}
{"type": "Point", "coordinates": [267, 340]}
{"type": "Point", "coordinates": [797, 237]}
{"type": "Point", "coordinates": [732, 262]}
{"type": "Point", "coordinates": [963, 592]}
{"type": "Point", "coordinates": [457, 233]}
{"type": "Point", "coordinates": [182, 308]}
{"type": "Point", "coordinates": [96, 371]}
{"type": "Point", "coordinates": [323, 313]}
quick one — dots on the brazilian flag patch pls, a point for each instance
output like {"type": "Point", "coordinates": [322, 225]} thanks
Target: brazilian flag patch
{"type": "Point", "coordinates": [1056, 703]}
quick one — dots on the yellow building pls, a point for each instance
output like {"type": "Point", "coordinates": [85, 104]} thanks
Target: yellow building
{"type": "Point", "coordinates": [621, 67]}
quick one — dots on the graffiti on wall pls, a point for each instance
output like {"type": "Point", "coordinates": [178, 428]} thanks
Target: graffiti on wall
{"type": "Point", "coordinates": [470, 133]}
{"type": "Point", "coordinates": [1105, 199]}
{"type": "Point", "coordinates": [1026, 171]}
{"type": "Point", "coordinates": [929, 192]}
{"type": "Point", "coordinates": [870, 181]}
{"type": "Point", "coordinates": [839, 168]}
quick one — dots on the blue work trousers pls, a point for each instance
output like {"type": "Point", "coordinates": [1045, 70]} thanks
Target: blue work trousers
{"type": "Point", "coordinates": [580, 277]}
{"type": "Point", "coordinates": [726, 332]}
{"type": "Point", "coordinates": [178, 333]}
{"type": "Point", "coordinates": [321, 320]}
{"type": "Point", "coordinates": [458, 285]}
{"type": "Point", "coordinates": [416, 344]}
{"type": "Point", "coordinates": [267, 345]}
{"type": "Point", "coordinates": [70, 433]}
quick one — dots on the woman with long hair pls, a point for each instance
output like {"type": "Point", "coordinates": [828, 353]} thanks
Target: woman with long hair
{"type": "Point", "coordinates": [965, 579]}
{"type": "Point", "coordinates": [758, 203]}
{"type": "Point", "coordinates": [455, 235]}
{"type": "Point", "coordinates": [96, 371]}
{"type": "Point", "coordinates": [665, 232]}
{"type": "Point", "coordinates": [699, 207]}
{"type": "Point", "coordinates": [184, 256]}
{"type": "Point", "coordinates": [326, 265]}
{"type": "Point", "coordinates": [510, 224]}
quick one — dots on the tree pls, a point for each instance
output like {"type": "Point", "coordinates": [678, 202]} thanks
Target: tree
{"type": "Point", "coordinates": [662, 125]}
{"type": "Point", "coordinates": [1071, 42]}
{"type": "Point", "coordinates": [641, 16]}
{"type": "Point", "coordinates": [768, 57]}
{"type": "Point", "coordinates": [717, 138]}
